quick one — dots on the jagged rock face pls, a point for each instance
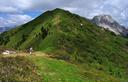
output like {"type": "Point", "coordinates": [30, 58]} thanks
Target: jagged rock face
{"type": "Point", "coordinates": [109, 23]}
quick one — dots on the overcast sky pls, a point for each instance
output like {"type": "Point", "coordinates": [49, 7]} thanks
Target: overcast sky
{"type": "Point", "coordinates": [16, 12]}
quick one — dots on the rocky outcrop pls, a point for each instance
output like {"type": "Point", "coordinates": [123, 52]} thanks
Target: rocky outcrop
{"type": "Point", "coordinates": [107, 22]}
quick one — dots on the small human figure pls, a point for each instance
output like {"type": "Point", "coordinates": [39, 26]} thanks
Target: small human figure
{"type": "Point", "coordinates": [81, 24]}
{"type": "Point", "coordinates": [30, 50]}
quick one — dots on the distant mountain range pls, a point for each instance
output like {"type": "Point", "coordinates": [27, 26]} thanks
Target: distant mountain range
{"type": "Point", "coordinates": [2, 29]}
{"type": "Point", "coordinates": [107, 22]}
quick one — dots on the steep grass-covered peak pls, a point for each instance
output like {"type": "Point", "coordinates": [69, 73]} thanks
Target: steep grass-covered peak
{"type": "Point", "coordinates": [71, 37]}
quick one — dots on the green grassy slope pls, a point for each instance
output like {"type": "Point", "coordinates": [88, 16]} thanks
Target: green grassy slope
{"type": "Point", "coordinates": [59, 33]}
{"type": "Point", "coordinates": [60, 71]}
{"type": "Point", "coordinates": [44, 69]}
{"type": "Point", "coordinates": [18, 69]}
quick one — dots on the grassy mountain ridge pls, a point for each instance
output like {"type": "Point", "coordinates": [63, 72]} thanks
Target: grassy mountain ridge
{"type": "Point", "coordinates": [43, 69]}
{"type": "Point", "coordinates": [59, 32]}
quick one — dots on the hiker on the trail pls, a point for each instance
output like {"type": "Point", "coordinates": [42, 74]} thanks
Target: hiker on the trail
{"type": "Point", "coordinates": [81, 24]}
{"type": "Point", "coordinates": [31, 50]}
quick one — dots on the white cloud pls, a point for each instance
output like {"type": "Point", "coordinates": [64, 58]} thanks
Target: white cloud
{"type": "Point", "coordinates": [87, 8]}
{"type": "Point", "coordinates": [1, 22]}
{"type": "Point", "coordinates": [6, 9]}
{"type": "Point", "coordinates": [12, 20]}
{"type": "Point", "coordinates": [70, 9]}
{"type": "Point", "coordinates": [19, 18]}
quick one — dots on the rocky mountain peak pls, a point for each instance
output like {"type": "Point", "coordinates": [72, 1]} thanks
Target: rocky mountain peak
{"type": "Point", "coordinates": [103, 18]}
{"type": "Point", "coordinates": [107, 22]}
